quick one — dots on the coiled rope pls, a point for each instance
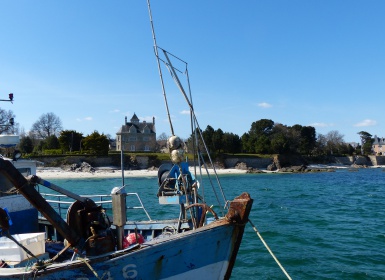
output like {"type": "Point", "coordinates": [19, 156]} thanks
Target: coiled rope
{"type": "Point", "coordinates": [268, 249]}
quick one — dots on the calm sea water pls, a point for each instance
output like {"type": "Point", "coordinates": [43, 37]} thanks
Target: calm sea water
{"type": "Point", "coordinates": [320, 226]}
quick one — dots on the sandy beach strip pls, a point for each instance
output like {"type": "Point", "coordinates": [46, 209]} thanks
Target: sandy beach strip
{"type": "Point", "coordinates": [58, 173]}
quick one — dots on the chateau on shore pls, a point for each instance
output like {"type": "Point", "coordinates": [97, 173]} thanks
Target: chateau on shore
{"type": "Point", "coordinates": [136, 136]}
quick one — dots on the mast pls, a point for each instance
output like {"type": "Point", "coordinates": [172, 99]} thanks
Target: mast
{"type": "Point", "coordinates": [159, 67]}
{"type": "Point", "coordinates": [194, 119]}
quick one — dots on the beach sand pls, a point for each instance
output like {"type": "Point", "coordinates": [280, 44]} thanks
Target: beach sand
{"type": "Point", "coordinates": [58, 173]}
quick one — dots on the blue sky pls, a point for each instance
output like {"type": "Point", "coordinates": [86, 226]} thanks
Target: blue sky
{"type": "Point", "coordinates": [307, 62]}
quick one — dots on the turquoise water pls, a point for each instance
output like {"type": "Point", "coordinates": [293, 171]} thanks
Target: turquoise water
{"type": "Point", "coordinates": [320, 226]}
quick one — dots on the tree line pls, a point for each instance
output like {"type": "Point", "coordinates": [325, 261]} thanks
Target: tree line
{"type": "Point", "coordinates": [48, 137]}
{"type": "Point", "coordinates": [267, 137]}
{"type": "Point", "coordinates": [264, 137]}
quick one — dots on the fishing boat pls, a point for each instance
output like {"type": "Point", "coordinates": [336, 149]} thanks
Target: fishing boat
{"type": "Point", "coordinates": [186, 247]}
{"type": "Point", "coordinates": [98, 244]}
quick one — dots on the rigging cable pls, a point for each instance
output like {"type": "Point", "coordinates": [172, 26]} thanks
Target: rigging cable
{"type": "Point", "coordinates": [271, 252]}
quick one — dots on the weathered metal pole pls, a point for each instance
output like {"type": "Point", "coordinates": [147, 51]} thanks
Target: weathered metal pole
{"type": "Point", "coordinates": [27, 189]}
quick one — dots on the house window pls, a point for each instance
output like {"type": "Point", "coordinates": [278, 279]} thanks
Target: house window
{"type": "Point", "coordinates": [146, 138]}
{"type": "Point", "coordinates": [132, 148]}
{"type": "Point", "coordinates": [146, 148]}
{"type": "Point", "coordinates": [132, 138]}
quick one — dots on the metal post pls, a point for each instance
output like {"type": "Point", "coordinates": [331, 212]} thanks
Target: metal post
{"type": "Point", "coordinates": [122, 165]}
{"type": "Point", "coordinates": [119, 215]}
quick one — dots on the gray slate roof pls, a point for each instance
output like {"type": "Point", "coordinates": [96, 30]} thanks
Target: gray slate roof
{"type": "Point", "coordinates": [379, 140]}
{"type": "Point", "coordinates": [139, 126]}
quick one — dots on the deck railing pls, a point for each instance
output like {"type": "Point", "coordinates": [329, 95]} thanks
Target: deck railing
{"type": "Point", "coordinates": [61, 203]}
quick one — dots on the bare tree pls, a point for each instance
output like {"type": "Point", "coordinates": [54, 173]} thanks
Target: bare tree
{"type": "Point", "coordinates": [6, 122]}
{"type": "Point", "coordinates": [161, 141]}
{"type": "Point", "coordinates": [162, 136]}
{"type": "Point", "coordinates": [334, 140]}
{"type": "Point", "coordinates": [48, 124]}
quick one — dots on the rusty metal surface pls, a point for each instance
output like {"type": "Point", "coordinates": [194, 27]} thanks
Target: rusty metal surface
{"type": "Point", "coordinates": [91, 224]}
{"type": "Point", "coordinates": [238, 214]}
{"type": "Point", "coordinates": [239, 209]}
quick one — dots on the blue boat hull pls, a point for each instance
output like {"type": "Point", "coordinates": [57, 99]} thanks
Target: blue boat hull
{"type": "Point", "coordinates": [205, 253]}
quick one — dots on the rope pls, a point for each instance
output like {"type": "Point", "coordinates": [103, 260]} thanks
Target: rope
{"type": "Point", "coordinates": [268, 249]}
{"type": "Point", "coordinates": [90, 267]}
{"type": "Point", "coordinates": [58, 254]}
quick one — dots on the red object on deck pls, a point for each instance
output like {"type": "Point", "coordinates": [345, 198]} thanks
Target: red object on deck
{"type": "Point", "coordinates": [131, 239]}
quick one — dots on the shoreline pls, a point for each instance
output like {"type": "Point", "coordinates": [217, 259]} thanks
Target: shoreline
{"type": "Point", "coordinates": [59, 173]}
{"type": "Point", "coordinates": [109, 172]}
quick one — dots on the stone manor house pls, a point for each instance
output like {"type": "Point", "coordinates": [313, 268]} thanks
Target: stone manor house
{"type": "Point", "coordinates": [136, 136]}
{"type": "Point", "coordinates": [378, 147]}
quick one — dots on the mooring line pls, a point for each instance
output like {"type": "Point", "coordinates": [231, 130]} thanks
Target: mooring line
{"type": "Point", "coordinates": [268, 249]}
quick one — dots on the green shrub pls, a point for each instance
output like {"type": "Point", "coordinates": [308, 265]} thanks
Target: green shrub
{"type": "Point", "coordinates": [50, 152]}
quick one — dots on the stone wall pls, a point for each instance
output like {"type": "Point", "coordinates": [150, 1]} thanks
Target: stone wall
{"type": "Point", "coordinates": [250, 162]}
{"type": "Point", "coordinates": [380, 160]}
{"type": "Point", "coordinates": [361, 160]}
{"type": "Point", "coordinates": [142, 162]}
{"type": "Point", "coordinates": [377, 160]}
{"type": "Point", "coordinates": [344, 160]}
